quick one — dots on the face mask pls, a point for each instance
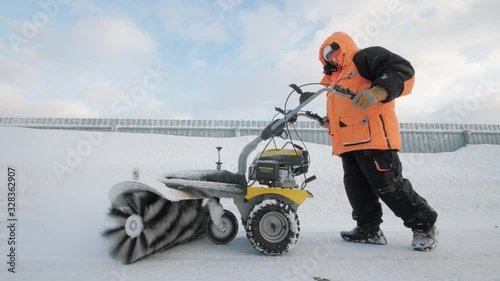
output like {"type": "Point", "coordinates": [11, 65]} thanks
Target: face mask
{"type": "Point", "coordinates": [330, 54]}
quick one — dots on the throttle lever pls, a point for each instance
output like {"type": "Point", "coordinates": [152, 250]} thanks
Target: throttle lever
{"type": "Point", "coordinates": [345, 92]}
{"type": "Point", "coordinates": [292, 118]}
{"type": "Point", "coordinates": [280, 110]}
{"type": "Point", "coordinates": [315, 116]}
{"type": "Point", "coordinates": [296, 88]}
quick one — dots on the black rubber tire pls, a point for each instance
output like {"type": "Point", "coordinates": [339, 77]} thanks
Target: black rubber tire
{"type": "Point", "coordinates": [272, 227]}
{"type": "Point", "coordinates": [222, 237]}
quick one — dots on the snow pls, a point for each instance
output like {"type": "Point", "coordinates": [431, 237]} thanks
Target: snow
{"type": "Point", "coordinates": [63, 180]}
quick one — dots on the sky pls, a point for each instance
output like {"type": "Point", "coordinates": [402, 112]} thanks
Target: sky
{"type": "Point", "coordinates": [234, 59]}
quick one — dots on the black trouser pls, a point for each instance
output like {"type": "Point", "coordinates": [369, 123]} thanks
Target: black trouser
{"type": "Point", "coordinates": [373, 174]}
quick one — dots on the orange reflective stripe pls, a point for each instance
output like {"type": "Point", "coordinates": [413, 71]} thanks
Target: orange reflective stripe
{"type": "Point", "coordinates": [378, 167]}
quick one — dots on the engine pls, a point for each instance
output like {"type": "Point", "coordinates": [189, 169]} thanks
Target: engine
{"type": "Point", "coordinates": [278, 167]}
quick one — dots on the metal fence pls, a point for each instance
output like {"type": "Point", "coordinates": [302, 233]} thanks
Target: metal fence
{"type": "Point", "coordinates": [416, 137]}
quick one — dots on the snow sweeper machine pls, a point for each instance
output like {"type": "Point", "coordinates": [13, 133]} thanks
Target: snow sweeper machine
{"type": "Point", "coordinates": [181, 206]}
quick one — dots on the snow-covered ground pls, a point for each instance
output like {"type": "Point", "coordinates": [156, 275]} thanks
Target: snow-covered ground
{"type": "Point", "coordinates": [63, 178]}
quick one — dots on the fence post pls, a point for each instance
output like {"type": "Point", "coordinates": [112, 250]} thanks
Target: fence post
{"type": "Point", "coordinates": [467, 137]}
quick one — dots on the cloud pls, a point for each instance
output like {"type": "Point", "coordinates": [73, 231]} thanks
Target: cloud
{"type": "Point", "coordinates": [453, 89]}
{"type": "Point", "coordinates": [198, 64]}
{"type": "Point", "coordinates": [13, 71]}
{"type": "Point", "coordinates": [122, 102]}
{"type": "Point", "coordinates": [252, 73]}
{"type": "Point", "coordinates": [14, 104]}
{"type": "Point", "coordinates": [85, 8]}
{"type": "Point", "coordinates": [100, 91]}
{"type": "Point", "coordinates": [277, 32]}
{"type": "Point", "coordinates": [83, 66]}
{"type": "Point", "coordinates": [111, 35]}
{"type": "Point", "coordinates": [448, 63]}
{"type": "Point", "coordinates": [442, 11]}
{"type": "Point", "coordinates": [195, 23]}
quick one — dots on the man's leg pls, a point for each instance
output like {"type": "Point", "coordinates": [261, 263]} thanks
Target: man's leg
{"type": "Point", "coordinates": [367, 210]}
{"type": "Point", "coordinates": [383, 170]}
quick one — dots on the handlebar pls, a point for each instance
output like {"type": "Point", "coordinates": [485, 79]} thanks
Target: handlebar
{"type": "Point", "coordinates": [307, 114]}
{"type": "Point", "coordinates": [336, 89]}
{"type": "Point", "coordinates": [290, 116]}
{"type": "Point", "coordinates": [277, 126]}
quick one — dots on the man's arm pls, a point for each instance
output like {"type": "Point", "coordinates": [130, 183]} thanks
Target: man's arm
{"type": "Point", "coordinates": [385, 69]}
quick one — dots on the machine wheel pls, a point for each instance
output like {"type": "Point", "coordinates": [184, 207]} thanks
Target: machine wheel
{"type": "Point", "coordinates": [221, 237]}
{"type": "Point", "coordinates": [273, 227]}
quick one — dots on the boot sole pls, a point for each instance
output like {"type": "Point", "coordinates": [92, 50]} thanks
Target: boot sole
{"type": "Point", "coordinates": [424, 249]}
{"type": "Point", "coordinates": [364, 241]}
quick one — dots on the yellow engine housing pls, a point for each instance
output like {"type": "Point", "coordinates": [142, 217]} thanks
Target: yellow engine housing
{"type": "Point", "coordinates": [298, 196]}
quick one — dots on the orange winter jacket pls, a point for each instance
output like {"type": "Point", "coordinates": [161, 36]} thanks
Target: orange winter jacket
{"type": "Point", "coordinates": [353, 128]}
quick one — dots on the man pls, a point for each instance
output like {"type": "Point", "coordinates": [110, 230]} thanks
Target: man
{"type": "Point", "coordinates": [365, 134]}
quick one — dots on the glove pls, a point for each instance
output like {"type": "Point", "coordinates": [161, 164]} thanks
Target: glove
{"type": "Point", "coordinates": [329, 68]}
{"type": "Point", "coordinates": [305, 96]}
{"type": "Point", "coordinates": [367, 98]}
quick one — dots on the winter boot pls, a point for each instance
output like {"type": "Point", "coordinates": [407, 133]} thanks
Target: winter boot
{"type": "Point", "coordinates": [425, 240]}
{"type": "Point", "coordinates": [365, 234]}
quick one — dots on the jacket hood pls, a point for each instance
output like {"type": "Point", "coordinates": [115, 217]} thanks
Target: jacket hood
{"type": "Point", "coordinates": [348, 47]}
